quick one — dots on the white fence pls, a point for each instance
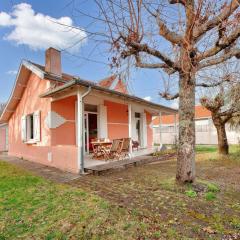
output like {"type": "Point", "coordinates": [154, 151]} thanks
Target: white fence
{"type": "Point", "coordinates": [205, 134]}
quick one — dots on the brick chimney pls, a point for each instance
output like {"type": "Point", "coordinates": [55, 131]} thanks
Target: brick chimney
{"type": "Point", "coordinates": [53, 62]}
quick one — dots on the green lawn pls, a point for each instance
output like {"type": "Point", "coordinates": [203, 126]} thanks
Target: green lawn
{"type": "Point", "coordinates": [137, 203]}
{"type": "Point", "coordinates": [31, 207]}
{"type": "Point", "coordinates": [206, 148]}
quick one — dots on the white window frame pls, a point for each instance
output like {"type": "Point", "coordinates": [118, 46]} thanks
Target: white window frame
{"type": "Point", "coordinates": [31, 128]}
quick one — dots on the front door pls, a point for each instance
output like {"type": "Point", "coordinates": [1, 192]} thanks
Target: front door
{"type": "Point", "coordinates": [138, 129]}
{"type": "Point", "coordinates": [90, 126]}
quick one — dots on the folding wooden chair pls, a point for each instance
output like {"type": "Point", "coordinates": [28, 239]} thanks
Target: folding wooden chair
{"type": "Point", "coordinates": [95, 148]}
{"type": "Point", "coordinates": [125, 148]}
{"type": "Point", "coordinates": [115, 149]}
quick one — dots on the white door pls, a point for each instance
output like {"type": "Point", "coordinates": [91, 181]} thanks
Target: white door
{"type": "Point", "coordinates": [144, 130]}
{"type": "Point", "coordinates": [137, 131]}
{"type": "Point", "coordinates": [90, 129]}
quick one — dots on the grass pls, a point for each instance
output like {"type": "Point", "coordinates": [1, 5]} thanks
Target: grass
{"type": "Point", "coordinates": [137, 203]}
{"type": "Point", "coordinates": [206, 148]}
{"type": "Point", "coordinates": [31, 207]}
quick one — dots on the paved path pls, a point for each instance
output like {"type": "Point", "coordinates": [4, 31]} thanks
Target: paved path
{"type": "Point", "coordinates": [49, 173]}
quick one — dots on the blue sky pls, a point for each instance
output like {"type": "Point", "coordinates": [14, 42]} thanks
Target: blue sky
{"type": "Point", "coordinates": [143, 83]}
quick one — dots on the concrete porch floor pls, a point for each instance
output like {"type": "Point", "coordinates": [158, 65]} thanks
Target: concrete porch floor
{"type": "Point", "coordinates": [90, 162]}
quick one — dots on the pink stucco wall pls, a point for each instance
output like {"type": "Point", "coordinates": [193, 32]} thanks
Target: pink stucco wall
{"type": "Point", "coordinates": [57, 147]}
{"type": "Point", "coordinates": [30, 103]}
{"type": "Point", "coordinates": [2, 139]}
{"type": "Point", "coordinates": [66, 133]}
{"type": "Point", "coordinates": [117, 120]}
{"type": "Point", "coordinates": [44, 152]}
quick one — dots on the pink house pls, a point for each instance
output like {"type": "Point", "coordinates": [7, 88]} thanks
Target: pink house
{"type": "Point", "coordinates": [52, 116]}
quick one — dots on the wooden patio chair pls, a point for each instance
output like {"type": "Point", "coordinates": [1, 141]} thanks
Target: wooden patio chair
{"type": "Point", "coordinates": [115, 149]}
{"type": "Point", "coordinates": [95, 148]}
{"type": "Point", "coordinates": [124, 151]}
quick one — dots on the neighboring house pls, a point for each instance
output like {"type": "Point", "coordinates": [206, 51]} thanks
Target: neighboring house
{"type": "Point", "coordinates": [206, 132]}
{"type": "Point", "coordinates": [3, 137]}
{"type": "Point", "coordinates": [52, 116]}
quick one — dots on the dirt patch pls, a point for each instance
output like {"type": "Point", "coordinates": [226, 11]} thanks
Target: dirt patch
{"type": "Point", "coordinates": [171, 211]}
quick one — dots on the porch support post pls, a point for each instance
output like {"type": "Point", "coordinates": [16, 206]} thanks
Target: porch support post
{"type": "Point", "coordinates": [130, 127]}
{"type": "Point", "coordinates": [80, 155]}
{"type": "Point", "coordinates": [80, 129]}
{"type": "Point", "coordinates": [160, 128]}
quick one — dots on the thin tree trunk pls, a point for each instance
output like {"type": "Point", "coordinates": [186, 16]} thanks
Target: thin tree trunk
{"type": "Point", "coordinates": [186, 148]}
{"type": "Point", "coordinates": [223, 147]}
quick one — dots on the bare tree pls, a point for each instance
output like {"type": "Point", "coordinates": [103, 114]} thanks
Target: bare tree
{"type": "Point", "coordinates": [180, 38]}
{"type": "Point", "coordinates": [235, 122]}
{"type": "Point", "coordinates": [224, 106]}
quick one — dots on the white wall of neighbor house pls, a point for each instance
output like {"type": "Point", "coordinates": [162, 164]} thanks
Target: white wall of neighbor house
{"type": "Point", "coordinates": [205, 133]}
{"type": "Point", "coordinates": [3, 137]}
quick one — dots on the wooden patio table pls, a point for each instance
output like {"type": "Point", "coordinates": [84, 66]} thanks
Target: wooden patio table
{"type": "Point", "coordinates": [101, 148]}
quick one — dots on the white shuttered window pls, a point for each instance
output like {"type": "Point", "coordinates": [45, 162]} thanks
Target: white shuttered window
{"type": "Point", "coordinates": [30, 128]}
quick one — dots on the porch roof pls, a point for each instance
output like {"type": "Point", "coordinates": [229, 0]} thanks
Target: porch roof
{"type": "Point", "coordinates": [84, 83]}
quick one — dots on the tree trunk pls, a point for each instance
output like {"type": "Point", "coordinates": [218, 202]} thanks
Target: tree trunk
{"type": "Point", "coordinates": [186, 148]}
{"type": "Point", "coordinates": [223, 147]}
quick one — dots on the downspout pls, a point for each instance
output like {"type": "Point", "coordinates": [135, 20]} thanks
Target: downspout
{"type": "Point", "coordinates": [81, 128]}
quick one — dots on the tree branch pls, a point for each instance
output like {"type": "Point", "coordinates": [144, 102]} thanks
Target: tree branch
{"type": "Point", "coordinates": [168, 96]}
{"type": "Point", "coordinates": [140, 64]}
{"type": "Point", "coordinates": [136, 48]}
{"type": "Point", "coordinates": [221, 46]}
{"type": "Point", "coordinates": [225, 14]}
{"type": "Point", "coordinates": [172, 37]}
{"type": "Point", "coordinates": [183, 2]}
{"type": "Point", "coordinates": [163, 66]}
{"type": "Point", "coordinates": [234, 52]}
{"type": "Point", "coordinates": [229, 112]}
{"type": "Point", "coordinates": [213, 105]}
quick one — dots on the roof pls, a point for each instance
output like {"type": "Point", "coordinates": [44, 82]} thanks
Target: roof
{"type": "Point", "coordinates": [115, 83]}
{"type": "Point", "coordinates": [107, 82]}
{"type": "Point", "coordinates": [95, 86]}
{"type": "Point", "coordinates": [200, 112]}
{"type": "Point", "coordinates": [66, 81]}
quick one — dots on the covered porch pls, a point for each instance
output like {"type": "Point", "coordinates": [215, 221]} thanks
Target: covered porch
{"type": "Point", "coordinates": [82, 112]}
{"type": "Point", "coordinates": [91, 162]}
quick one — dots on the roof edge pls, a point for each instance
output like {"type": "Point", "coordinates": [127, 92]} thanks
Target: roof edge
{"type": "Point", "coordinates": [32, 68]}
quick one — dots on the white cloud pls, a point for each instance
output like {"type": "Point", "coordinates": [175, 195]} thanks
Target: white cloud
{"type": "Point", "coordinates": [175, 103]}
{"type": "Point", "coordinates": [39, 31]}
{"type": "Point", "coordinates": [12, 72]}
{"type": "Point", "coordinates": [148, 98]}
{"type": "Point", "coordinates": [5, 19]}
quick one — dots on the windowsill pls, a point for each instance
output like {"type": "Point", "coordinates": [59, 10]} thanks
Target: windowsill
{"type": "Point", "coordinates": [31, 141]}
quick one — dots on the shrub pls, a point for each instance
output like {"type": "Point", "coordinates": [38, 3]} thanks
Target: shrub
{"type": "Point", "coordinates": [210, 196]}
{"type": "Point", "coordinates": [191, 193]}
{"type": "Point", "coordinates": [212, 188]}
